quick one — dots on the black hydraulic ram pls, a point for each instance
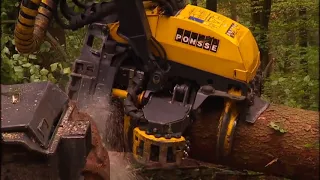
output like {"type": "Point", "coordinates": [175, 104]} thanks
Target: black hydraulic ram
{"type": "Point", "coordinates": [134, 27]}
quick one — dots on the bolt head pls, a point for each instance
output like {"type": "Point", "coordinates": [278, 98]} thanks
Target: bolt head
{"type": "Point", "coordinates": [168, 136]}
{"type": "Point", "coordinates": [207, 89]}
{"type": "Point", "coordinates": [156, 78]}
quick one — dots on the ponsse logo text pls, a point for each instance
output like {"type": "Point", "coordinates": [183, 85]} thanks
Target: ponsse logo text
{"type": "Point", "coordinates": [198, 40]}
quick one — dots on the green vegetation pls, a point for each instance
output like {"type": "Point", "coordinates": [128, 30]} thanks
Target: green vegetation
{"type": "Point", "coordinates": [51, 62]}
{"type": "Point", "coordinates": [277, 127]}
{"type": "Point", "coordinates": [286, 31]}
{"type": "Point", "coordinates": [292, 44]}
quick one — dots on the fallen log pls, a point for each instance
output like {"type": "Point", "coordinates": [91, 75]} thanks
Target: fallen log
{"type": "Point", "coordinates": [284, 142]}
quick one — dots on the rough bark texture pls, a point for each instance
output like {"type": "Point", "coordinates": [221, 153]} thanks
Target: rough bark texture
{"type": "Point", "coordinates": [98, 164]}
{"type": "Point", "coordinates": [260, 147]}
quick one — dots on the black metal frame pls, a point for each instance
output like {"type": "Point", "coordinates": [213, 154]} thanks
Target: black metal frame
{"type": "Point", "coordinates": [134, 26]}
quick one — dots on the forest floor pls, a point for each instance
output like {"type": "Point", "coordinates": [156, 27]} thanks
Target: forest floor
{"type": "Point", "coordinates": [123, 168]}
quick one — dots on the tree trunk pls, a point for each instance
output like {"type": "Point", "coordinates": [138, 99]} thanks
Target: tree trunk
{"type": "Point", "coordinates": [262, 148]}
{"type": "Point", "coordinates": [260, 21]}
{"type": "Point", "coordinates": [303, 43]}
{"type": "Point", "coordinates": [303, 39]}
{"type": "Point", "coordinates": [212, 5]}
{"type": "Point", "coordinates": [255, 13]}
{"type": "Point", "coordinates": [194, 2]}
{"type": "Point", "coordinates": [265, 17]}
{"type": "Point", "coordinates": [233, 9]}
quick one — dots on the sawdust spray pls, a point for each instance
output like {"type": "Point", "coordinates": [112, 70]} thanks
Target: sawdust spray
{"type": "Point", "coordinates": [107, 115]}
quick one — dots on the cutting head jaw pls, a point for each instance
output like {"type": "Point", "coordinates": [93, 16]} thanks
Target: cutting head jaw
{"type": "Point", "coordinates": [151, 150]}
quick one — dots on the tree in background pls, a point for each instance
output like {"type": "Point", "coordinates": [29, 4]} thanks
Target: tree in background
{"type": "Point", "coordinates": [295, 74]}
{"type": "Point", "coordinates": [212, 5]}
{"type": "Point", "coordinates": [288, 38]}
{"type": "Point", "coordinates": [260, 13]}
{"type": "Point", "coordinates": [233, 9]}
{"type": "Point", "coordinates": [194, 2]}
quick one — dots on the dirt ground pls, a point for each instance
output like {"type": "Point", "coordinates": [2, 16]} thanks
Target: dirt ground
{"type": "Point", "coordinates": [122, 168]}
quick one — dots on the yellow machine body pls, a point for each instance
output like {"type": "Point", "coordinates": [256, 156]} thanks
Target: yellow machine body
{"type": "Point", "coordinates": [193, 38]}
{"type": "Point", "coordinates": [205, 40]}
{"type": "Point", "coordinates": [227, 123]}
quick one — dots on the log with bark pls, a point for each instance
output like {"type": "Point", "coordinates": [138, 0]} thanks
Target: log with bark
{"type": "Point", "coordinates": [284, 141]}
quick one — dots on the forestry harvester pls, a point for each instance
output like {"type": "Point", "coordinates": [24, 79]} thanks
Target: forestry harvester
{"type": "Point", "coordinates": [162, 58]}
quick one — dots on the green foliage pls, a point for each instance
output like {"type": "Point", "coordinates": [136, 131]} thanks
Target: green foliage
{"type": "Point", "coordinates": [293, 90]}
{"type": "Point", "coordinates": [75, 42]}
{"type": "Point", "coordinates": [314, 145]}
{"type": "Point", "coordinates": [45, 65]}
{"type": "Point", "coordinates": [277, 127]}
{"type": "Point", "coordinates": [287, 84]}
{"type": "Point", "coordinates": [18, 68]}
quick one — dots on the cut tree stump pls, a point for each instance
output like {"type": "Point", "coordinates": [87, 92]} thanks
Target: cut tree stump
{"type": "Point", "coordinates": [284, 142]}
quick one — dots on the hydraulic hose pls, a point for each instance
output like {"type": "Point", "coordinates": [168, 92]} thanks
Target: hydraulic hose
{"type": "Point", "coordinates": [93, 13]}
{"type": "Point", "coordinates": [132, 99]}
{"type": "Point", "coordinates": [79, 4]}
{"type": "Point", "coordinates": [32, 24]}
